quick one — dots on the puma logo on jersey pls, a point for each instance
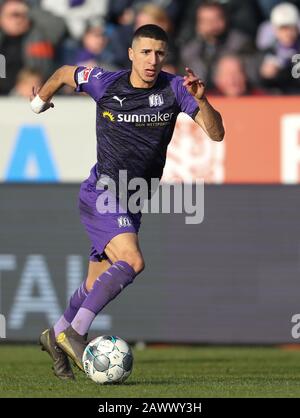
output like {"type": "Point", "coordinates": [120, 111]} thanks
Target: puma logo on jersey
{"type": "Point", "coordinates": [119, 100]}
{"type": "Point", "coordinates": [98, 75]}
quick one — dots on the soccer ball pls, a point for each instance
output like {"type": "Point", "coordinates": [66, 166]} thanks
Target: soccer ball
{"type": "Point", "coordinates": [107, 359]}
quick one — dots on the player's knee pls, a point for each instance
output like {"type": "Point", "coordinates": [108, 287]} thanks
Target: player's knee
{"type": "Point", "coordinates": [138, 265]}
{"type": "Point", "coordinates": [135, 260]}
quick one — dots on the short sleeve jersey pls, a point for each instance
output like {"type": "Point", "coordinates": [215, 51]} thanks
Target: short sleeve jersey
{"type": "Point", "coordinates": [134, 125]}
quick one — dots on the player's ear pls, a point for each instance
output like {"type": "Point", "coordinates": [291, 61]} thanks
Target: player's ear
{"type": "Point", "coordinates": [130, 53]}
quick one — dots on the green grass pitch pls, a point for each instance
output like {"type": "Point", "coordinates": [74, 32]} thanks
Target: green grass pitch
{"type": "Point", "coordinates": [169, 371]}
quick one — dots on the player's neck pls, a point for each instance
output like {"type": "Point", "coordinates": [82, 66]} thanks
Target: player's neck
{"type": "Point", "coordinates": [138, 83]}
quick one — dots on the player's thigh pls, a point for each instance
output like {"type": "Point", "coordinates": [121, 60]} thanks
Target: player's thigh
{"type": "Point", "coordinates": [126, 247]}
{"type": "Point", "coordinates": [95, 269]}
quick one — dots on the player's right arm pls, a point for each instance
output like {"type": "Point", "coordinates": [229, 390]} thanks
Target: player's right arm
{"type": "Point", "coordinates": [41, 100]}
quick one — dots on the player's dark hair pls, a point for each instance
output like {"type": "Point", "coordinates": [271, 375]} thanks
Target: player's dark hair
{"type": "Point", "coordinates": [152, 32]}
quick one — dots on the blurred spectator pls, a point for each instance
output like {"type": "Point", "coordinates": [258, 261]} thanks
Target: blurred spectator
{"type": "Point", "coordinates": [26, 80]}
{"type": "Point", "coordinates": [266, 32]}
{"type": "Point", "coordinates": [213, 37]}
{"type": "Point", "coordinates": [218, 48]}
{"type": "Point", "coordinates": [244, 15]}
{"type": "Point", "coordinates": [48, 22]}
{"type": "Point", "coordinates": [144, 14]}
{"type": "Point", "coordinates": [76, 13]}
{"type": "Point", "coordinates": [230, 78]}
{"type": "Point", "coordinates": [150, 13]}
{"type": "Point", "coordinates": [265, 36]}
{"type": "Point", "coordinates": [277, 64]}
{"type": "Point", "coordinates": [23, 42]}
{"type": "Point", "coordinates": [122, 11]}
{"type": "Point", "coordinates": [94, 51]}
{"type": "Point", "coordinates": [266, 6]}
{"type": "Point", "coordinates": [173, 8]}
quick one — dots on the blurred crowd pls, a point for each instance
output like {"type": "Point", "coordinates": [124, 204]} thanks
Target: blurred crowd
{"type": "Point", "coordinates": [237, 47]}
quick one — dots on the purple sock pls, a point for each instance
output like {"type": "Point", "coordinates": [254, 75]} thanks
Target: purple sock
{"type": "Point", "coordinates": [83, 320]}
{"type": "Point", "coordinates": [105, 289]}
{"type": "Point", "coordinates": [76, 301]}
{"type": "Point", "coordinates": [60, 325]}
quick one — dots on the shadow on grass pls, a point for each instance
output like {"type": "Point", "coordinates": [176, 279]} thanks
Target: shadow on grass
{"type": "Point", "coordinates": [158, 382]}
{"type": "Point", "coordinates": [184, 360]}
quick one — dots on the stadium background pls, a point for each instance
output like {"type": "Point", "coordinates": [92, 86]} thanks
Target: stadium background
{"type": "Point", "coordinates": [232, 279]}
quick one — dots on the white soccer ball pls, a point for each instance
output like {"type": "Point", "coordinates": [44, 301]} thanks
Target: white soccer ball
{"type": "Point", "coordinates": [108, 359]}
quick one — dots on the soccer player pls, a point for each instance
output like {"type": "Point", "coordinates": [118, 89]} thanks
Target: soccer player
{"type": "Point", "coordinates": [136, 115]}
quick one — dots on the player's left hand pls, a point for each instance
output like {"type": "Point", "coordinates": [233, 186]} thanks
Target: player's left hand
{"type": "Point", "coordinates": [40, 106]}
{"type": "Point", "coordinates": [193, 84]}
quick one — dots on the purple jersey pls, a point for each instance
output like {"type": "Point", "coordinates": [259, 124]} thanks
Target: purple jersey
{"type": "Point", "coordinates": [134, 125]}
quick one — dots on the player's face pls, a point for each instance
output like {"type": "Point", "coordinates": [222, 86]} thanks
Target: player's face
{"type": "Point", "coordinates": [147, 56]}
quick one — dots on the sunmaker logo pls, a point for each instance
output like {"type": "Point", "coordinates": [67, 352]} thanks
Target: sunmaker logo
{"type": "Point", "coordinates": [154, 117]}
{"type": "Point", "coordinates": [143, 119]}
{"type": "Point", "coordinates": [108, 115]}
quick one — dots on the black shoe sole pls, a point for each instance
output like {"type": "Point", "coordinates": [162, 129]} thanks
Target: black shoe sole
{"type": "Point", "coordinates": [55, 374]}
